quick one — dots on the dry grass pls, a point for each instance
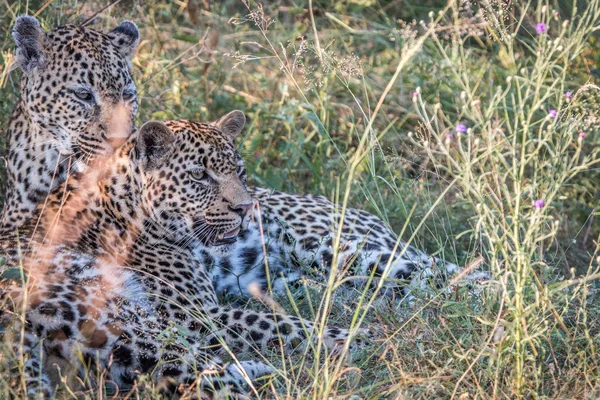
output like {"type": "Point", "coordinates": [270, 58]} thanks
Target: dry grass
{"type": "Point", "coordinates": [333, 93]}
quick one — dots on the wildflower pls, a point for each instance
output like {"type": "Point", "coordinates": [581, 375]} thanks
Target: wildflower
{"type": "Point", "coordinates": [539, 203]}
{"type": "Point", "coordinates": [552, 113]}
{"type": "Point", "coordinates": [415, 95]}
{"type": "Point", "coordinates": [582, 134]}
{"type": "Point", "coordinates": [569, 95]}
{"type": "Point", "coordinates": [461, 128]}
{"type": "Point", "coordinates": [449, 136]}
{"type": "Point", "coordinates": [541, 28]}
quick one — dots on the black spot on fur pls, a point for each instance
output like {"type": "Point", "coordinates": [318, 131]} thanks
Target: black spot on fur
{"type": "Point", "coordinates": [251, 319]}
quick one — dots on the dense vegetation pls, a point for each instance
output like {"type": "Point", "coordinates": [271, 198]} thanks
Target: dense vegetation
{"type": "Point", "coordinates": [471, 127]}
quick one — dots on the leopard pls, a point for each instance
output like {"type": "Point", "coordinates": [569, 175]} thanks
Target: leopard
{"type": "Point", "coordinates": [77, 100]}
{"type": "Point", "coordinates": [64, 120]}
{"type": "Point", "coordinates": [112, 277]}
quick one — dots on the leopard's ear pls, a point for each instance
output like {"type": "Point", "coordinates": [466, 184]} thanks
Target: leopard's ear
{"type": "Point", "coordinates": [231, 124]}
{"type": "Point", "coordinates": [30, 39]}
{"type": "Point", "coordinates": [126, 38]}
{"type": "Point", "coordinates": [154, 144]}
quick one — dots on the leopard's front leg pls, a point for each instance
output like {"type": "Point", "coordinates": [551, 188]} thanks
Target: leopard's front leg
{"type": "Point", "coordinates": [32, 377]}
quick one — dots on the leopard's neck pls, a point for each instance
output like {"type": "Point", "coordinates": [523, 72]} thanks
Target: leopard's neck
{"type": "Point", "coordinates": [34, 167]}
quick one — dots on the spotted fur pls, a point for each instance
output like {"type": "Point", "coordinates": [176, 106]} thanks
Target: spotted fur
{"type": "Point", "coordinates": [77, 100]}
{"type": "Point", "coordinates": [112, 273]}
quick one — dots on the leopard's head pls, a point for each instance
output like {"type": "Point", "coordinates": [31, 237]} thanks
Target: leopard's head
{"type": "Point", "coordinates": [194, 180]}
{"type": "Point", "coordinates": [77, 84]}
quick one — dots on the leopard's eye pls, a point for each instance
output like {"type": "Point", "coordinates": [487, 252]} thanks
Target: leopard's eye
{"type": "Point", "coordinates": [128, 95]}
{"type": "Point", "coordinates": [197, 174]}
{"type": "Point", "coordinates": [84, 95]}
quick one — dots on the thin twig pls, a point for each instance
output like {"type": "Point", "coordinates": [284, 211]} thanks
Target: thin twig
{"type": "Point", "coordinates": [90, 19]}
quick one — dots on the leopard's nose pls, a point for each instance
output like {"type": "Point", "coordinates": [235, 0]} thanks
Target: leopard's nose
{"type": "Point", "coordinates": [241, 209]}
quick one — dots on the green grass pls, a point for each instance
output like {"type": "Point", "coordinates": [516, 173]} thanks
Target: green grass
{"type": "Point", "coordinates": [329, 98]}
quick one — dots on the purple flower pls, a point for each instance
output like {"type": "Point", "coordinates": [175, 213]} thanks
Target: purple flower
{"type": "Point", "coordinates": [552, 113]}
{"type": "Point", "coordinates": [582, 134]}
{"type": "Point", "coordinates": [449, 136]}
{"type": "Point", "coordinates": [461, 128]}
{"type": "Point", "coordinates": [541, 28]}
{"type": "Point", "coordinates": [569, 95]}
{"type": "Point", "coordinates": [539, 203]}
